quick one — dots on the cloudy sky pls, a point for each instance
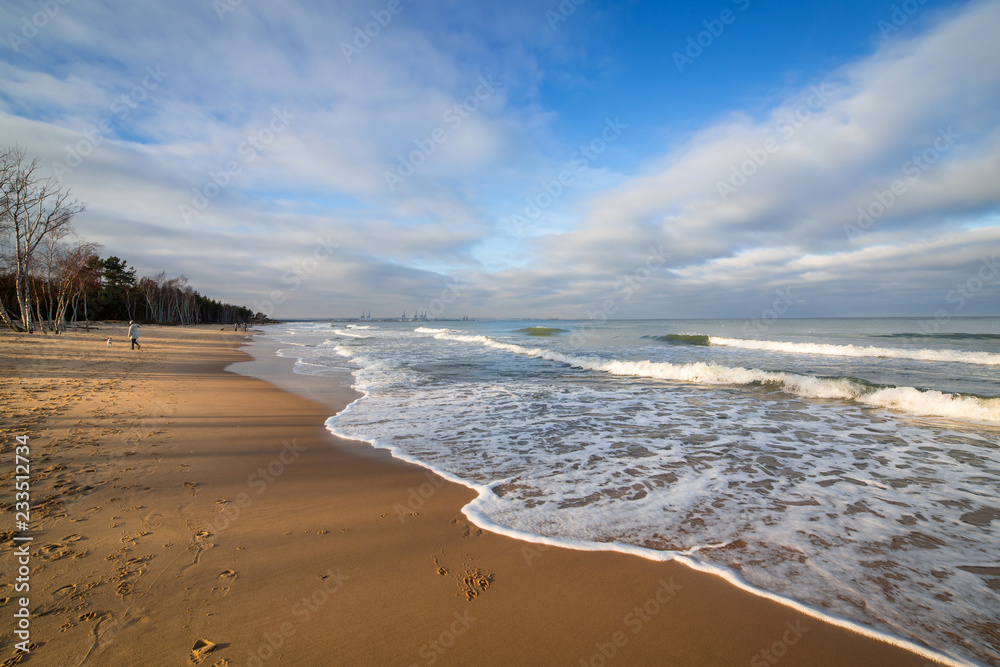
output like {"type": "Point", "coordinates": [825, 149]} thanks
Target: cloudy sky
{"type": "Point", "coordinates": [527, 158]}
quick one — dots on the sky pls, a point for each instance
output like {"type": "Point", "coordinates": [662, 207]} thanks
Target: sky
{"type": "Point", "coordinates": [571, 159]}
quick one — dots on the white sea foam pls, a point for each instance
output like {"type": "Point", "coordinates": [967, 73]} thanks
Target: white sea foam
{"type": "Point", "coordinates": [906, 399]}
{"type": "Point", "coordinates": [350, 334]}
{"type": "Point", "coordinates": [823, 505]}
{"type": "Point", "coordinates": [482, 512]}
{"type": "Point", "coordinates": [826, 349]}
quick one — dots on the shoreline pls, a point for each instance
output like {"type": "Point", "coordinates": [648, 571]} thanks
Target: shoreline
{"type": "Point", "coordinates": [481, 520]}
{"type": "Point", "coordinates": [322, 564]}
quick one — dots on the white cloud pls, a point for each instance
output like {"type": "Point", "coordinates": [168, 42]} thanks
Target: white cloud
{"type": "Point", "coordinates": [325, 172]}
{"type": "Point", "coordinates": [855, 135]}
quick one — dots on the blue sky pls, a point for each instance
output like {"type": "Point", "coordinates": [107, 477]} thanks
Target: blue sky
{"type": "Point", "coordinates": [623, 159]}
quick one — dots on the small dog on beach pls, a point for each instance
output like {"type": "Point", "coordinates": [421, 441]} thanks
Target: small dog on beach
{"type": "Point", "coordinates": [109, 342]}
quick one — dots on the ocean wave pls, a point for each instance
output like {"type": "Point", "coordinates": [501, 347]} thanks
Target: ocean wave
{"type": "Point", "coordinates": [831, 350]}
{"type": "Point", "coordinates": [907, 399]}
{"type": "Point", "coordinates": [682, 339]}
{"type": "Point", "coordinates": [348, 334]}
{"type": "Point", "coordinates": [540, 331]}
{"type": "Point", "coordinates": [945, 336]}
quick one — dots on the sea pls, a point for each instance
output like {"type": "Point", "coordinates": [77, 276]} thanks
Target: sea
{"type": "Point", "coordinates": [846, 467]}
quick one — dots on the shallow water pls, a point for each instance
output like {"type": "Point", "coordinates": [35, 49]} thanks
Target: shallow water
{"type": "Point", "coordinates": [851, 465]}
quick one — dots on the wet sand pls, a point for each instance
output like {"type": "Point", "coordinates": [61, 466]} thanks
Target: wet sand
{"type": "Point", "coordinates": [185, 514]}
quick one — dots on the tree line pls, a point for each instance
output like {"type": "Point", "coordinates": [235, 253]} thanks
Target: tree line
{"type": "Point", "coordinates": [51, 278]}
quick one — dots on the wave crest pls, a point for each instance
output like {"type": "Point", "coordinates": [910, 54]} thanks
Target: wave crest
{"type": "Point", "coordinates": [540, 331]}
{"type": "Point", "coordinates": [830, 350]}
{"type": "Point", "coordinates": [682, 339]}
{"type": "Point", "coordinates": [908, 399]}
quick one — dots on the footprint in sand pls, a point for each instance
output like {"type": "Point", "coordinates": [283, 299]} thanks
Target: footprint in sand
{"type": "Point", "coordinates": [9, 662]}
{"type": "Point", "coordinates": [472, 582]}
{"type": "Point", "coordinates": [91, 615]}
{"type": "Point", "coordinates": [64, 591]}
{"type": "Point", "coordinates": [227, 575]}
{"type": "Point", "coordinates": [193, 486]}
{"type": "Point", "coordinates": [75, 537]}
{"type": "Point", "coordinates": [475, 582]}
{"type": "Point", "coordinates": [220, 591]}
{"type": "Point", "coordinates": [54, 551]}
{"type": "Point", "coordinates": [152, 520]}
{"type": "Point", "coordinates": [140, 560]}
{"type": "Point", "coordinates": [201, 649]}
{"type": "Point", "coordinates": [467, 529]}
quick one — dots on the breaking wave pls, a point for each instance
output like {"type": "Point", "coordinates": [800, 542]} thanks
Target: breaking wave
{"type": "Point", "coordinates": [682, 339]}
{"type": "Point", "coordinates": [830, 350]}
{"type": "Point", "coordinates": [906, 399]}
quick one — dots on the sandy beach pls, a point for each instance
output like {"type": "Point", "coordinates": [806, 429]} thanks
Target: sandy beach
{"type": "Point", "coordinates": [181, 514]}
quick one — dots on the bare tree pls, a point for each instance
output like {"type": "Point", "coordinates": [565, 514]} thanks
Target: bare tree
{"type": "Point", "coordinates": [6, 240]}
{"type": "Point", "coordinates": [71, 268]}
{"type": "Point", "coordinates": [47, 274]}
{"type": "Point", "coordinates": [88, 281]}
{"type": "Point", "coordinates": [32, 208]}
{"type": "Point", "coordinates": [6, 317]}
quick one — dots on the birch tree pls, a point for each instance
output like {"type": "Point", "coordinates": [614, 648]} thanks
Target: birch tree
{"type": "Point", "coordinates": [31, 209]}
{"type": "Point", "coordinates": [73, 260]}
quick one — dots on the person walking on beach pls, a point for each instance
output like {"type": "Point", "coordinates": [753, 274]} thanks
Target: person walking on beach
{"type": "Point", "coordinates": [133, 333]}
